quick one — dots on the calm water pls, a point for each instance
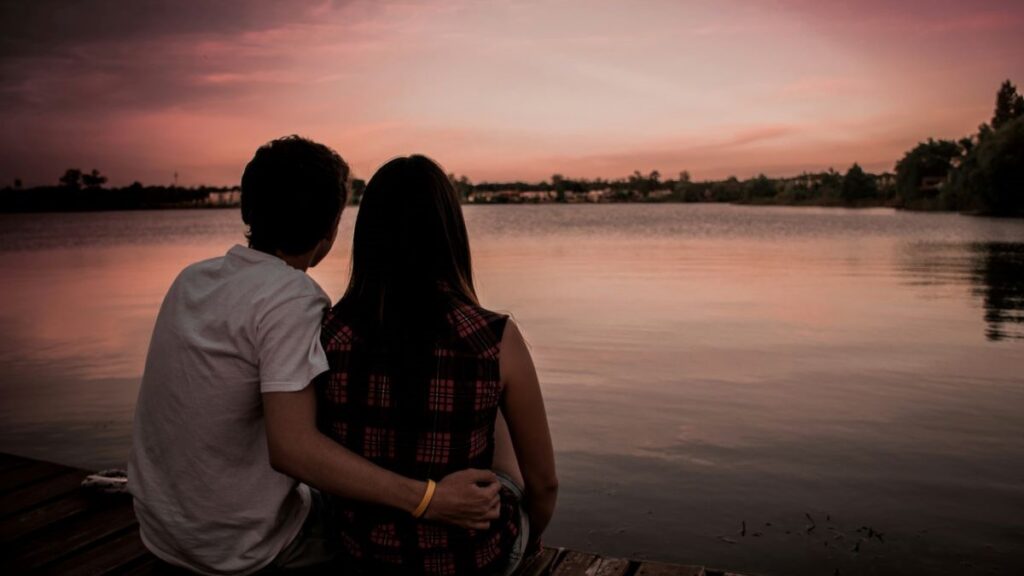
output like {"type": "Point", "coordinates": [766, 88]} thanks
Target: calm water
{"type": "Point", "coordinates": [705, 367]}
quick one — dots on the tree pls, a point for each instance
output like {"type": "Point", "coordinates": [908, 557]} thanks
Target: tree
{"type": "Point", "coordinates": [94, 180]}
{"type": "Point", "coordinates": [462, 186]}
{"type": "Point", "coordinates": [993, 174]}
{"type": "Point", "coordinates": [358, 187]}
{"type": "Point", "coordinates": [857, 185]}
{"type": "Point", "coordinates": [829, 185]}
{"type": "Point", "coordinates": [72, 179]}
{"type": "Point", "coordinates": [684, 188]}
{"type": "Point", "coordinates": [1009, 105]}
{"type": "Point", "coordinates": [728, 190]}
{"type": "Point", "coordinates": [17, 183]}
{"type": "Point", "coordinates": [931, 160]}
{"type": "Point", "coordinates": [559, 186]}
{"type": "Point", "coordinates": [644, 184]}
{"type": "Point", "coordinates": [759, 188]}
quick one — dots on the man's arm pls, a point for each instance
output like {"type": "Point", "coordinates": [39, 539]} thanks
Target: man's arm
{"type": "Point", "coordinates": [297, 448]}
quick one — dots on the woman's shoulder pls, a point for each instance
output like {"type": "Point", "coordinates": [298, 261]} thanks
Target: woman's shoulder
{"type": "Point", "coordinates": [479, 327]}
{"type": "Point", "coordinates": [336, 330]}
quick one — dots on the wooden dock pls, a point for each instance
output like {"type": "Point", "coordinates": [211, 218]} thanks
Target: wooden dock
{"type": "Point", "coordinates": [49, 525]}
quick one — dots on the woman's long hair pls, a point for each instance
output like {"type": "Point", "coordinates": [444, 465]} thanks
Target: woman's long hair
{"type": "Point", "coordinates": [410, 257]}
{"type": "Point", "coordinates": [410, 240]}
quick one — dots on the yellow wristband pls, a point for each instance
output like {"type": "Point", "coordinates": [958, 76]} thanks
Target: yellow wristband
{"type": "Point", "coordinates": [427, 497]}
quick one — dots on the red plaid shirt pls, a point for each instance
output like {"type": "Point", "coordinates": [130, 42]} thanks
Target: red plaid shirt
{"type": "Point", "coordinates": [449, 428]}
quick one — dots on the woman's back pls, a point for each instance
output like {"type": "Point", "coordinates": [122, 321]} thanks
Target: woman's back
{"type": "Point", "coordinates": [424, 411]}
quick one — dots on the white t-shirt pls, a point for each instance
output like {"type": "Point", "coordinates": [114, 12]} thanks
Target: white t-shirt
{"type": "Point", "coordinates": [229, 329]}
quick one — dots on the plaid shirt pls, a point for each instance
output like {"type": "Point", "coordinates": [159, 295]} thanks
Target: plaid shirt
{"type": "Point", "coordinates": [452, 429]}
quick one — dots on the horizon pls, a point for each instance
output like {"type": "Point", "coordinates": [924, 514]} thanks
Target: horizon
{"type": "Point", "coordinates": [497, 92]}
{"type": "Point", "coordinates": [664, 178]}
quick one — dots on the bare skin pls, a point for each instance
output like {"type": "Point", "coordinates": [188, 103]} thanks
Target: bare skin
{"type": "Point", "coordinates": [522, 406]}
{"type": "Point", "coordinates": [468, 498]}
{"type": "Point", "coordinates": [504, 452]}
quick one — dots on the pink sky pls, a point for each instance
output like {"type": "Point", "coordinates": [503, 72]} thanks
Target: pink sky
{"type": "Point", "coordinates": [495, 90]}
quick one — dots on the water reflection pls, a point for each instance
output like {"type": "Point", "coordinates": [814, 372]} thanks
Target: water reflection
{"type": "Point", "coordinates": [703, 366]}
{"type": "Point", "coordinates": [993, 271]}
{"type": "Point", "coordinates": [998, 278]}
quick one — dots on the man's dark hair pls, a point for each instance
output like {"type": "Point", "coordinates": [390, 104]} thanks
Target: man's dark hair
{"type": "Point", "coordinates": [293, 190]}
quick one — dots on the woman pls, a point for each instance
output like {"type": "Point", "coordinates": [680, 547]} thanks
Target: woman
{"type": "Point", "coordinates": [418, 373]}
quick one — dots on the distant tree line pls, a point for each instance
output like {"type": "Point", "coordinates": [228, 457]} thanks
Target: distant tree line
{"type": "Point", "coordinates": [81, 191]}
{"type": "Point", "coordinates": [982, 173]}
{"type": "Point", "coordinates": [84, 191]}
{"type": "Point", "coordinates": [854, 188]}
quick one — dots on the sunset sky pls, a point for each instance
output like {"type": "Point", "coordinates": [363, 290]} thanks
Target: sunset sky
{"type": "Point", "coordinates": [495, 90]}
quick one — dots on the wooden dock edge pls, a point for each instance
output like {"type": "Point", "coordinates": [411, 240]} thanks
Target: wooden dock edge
{"type": "Point", "coordinates": [49, 525]}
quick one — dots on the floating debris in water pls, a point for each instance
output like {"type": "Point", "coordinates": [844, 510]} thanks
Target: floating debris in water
{"type": "Point", "coordinates": [811, 520]}
{"type": "Point", "coordinates": [872, 533]}
{"type": "Point", "coordinates": [727, 540]}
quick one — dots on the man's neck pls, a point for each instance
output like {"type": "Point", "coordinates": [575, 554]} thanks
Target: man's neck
{"type": "Point", "coordinates": [297, 261]}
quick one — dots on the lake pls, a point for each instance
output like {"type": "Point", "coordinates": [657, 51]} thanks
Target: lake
{"type": "Point", "coordinates": [768, 390]}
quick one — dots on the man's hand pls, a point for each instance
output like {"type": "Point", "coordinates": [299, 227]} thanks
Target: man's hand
{"type": "Point", "coordinates": [468, 498]}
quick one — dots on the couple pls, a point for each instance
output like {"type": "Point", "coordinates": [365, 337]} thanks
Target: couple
{"type": "Point", "coordinates": [270, 436]}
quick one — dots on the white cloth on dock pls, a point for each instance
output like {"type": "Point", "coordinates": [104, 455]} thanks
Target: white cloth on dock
{"type": "Point", "coordinates": [230, 329]}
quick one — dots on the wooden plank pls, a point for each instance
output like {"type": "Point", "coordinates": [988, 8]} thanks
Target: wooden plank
{"type": "Point", "coordinates": [112, 556]}
{"type": "Point", "coordinates": [40, 492]}
{"type": "Point", "coordinates": [33, 471]}
{"type": "Point", "coordinates": [66, 538]}
{"type": "Point", "coordinates": [148, 566]}
{"type": "Point", "coordinates": [574, 563]}
{"type": "Point", "coordinates": [10, 461]}
{"type": "Point", "coordinates": [153, 566]}
{"type": "Point", "coordinates": [609, 567]}
{"type": "Point", "coordinates": [659, 569]}
{"type": "Point", "coordinates": [29, 521]}
{"type": "Point", "coordinates": [541, 564]}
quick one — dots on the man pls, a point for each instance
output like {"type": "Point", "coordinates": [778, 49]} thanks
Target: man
{"type": "Point", "coordinates": [225, 420]}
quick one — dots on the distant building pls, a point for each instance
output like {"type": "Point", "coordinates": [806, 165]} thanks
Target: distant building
{"type": "Point", "coordinates": [231, 197]}
{"type": "Point", "coordinates": [886, 180]}
{"type": "Point", "coordinates": [537, 196]}
{"type": "Point", "coordinates": [932, 184]}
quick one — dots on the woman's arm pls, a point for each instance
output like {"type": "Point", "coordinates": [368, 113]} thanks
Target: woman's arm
{"type": "Point", "coordinates": [523, 408]}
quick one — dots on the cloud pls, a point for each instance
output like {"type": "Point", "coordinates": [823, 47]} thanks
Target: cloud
{"type": "Point", "coordinates": [912, 16]}
{"type": "Point", "coordinates": [143, 88]}
{"type": "Point", "coordinates": [48, 26]}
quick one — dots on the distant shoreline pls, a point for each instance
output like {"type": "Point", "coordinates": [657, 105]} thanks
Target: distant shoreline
{"type": "Point", "coordinates": [762, 204]}
{"type": "Point", "coordinates": [830, 189]}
